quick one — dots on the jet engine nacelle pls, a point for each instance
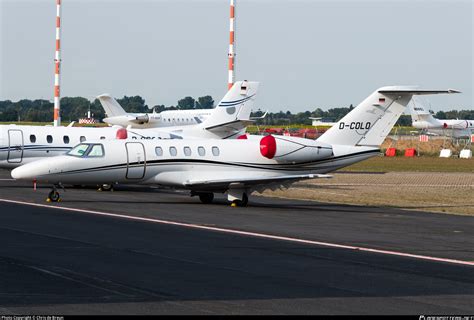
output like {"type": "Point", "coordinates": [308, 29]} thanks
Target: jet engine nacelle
{"type": "Point", "coordinates": [142, 119]}
{"type": "Point", "coordinates": [291, 149]}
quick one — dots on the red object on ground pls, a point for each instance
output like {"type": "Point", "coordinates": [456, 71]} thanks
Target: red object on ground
{"type": "Point", "coordinates": [274, 130]}
{"type": "Point", "coordinates": [410, 152]}
{"type": "Point", "coordinates": [391, 152]}
{"type": "Point", "coordinates": [424, 138]}
{"type": "Point", "coordinates": [121, 134]}
{"type": "Point", "coordinates": [268, 146]}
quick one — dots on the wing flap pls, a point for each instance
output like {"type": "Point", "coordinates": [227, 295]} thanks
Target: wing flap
{"type": "Point", "coordinates": [250, 182]}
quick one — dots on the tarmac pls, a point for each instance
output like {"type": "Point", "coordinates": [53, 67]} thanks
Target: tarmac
{"type": "Point", "coordinates": [152, 251]}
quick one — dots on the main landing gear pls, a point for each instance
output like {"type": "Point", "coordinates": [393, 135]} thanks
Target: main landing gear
{"type": "Point", "coordinates": [106, 187]}
{"type": "Point", "coordinates": [237, 197]}
{"type": "Point", "coordinates": [53, 195]}
{"type": "Point", "coordinates": [205, 197]}
{"type": "Point", "coordinates": [241, 203]}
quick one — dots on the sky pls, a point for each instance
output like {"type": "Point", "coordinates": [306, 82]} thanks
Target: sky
{"type": "Point", "coordinates": [305, 53]}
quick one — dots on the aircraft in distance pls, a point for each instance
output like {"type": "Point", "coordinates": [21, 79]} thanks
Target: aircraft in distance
{"type": "Point", "coordinates": [20, 144]}
{"type": "Point", "coordinates": [116, 115]}
{"type": "Point", "coordinates": [424, 120]}
{"type": "Point", "coordinates": [236, 167]}
{"type": "Point", "coordinates": [317, 122]}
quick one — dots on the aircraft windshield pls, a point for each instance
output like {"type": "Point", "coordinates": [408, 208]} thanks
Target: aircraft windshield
{"type": "Point", "coordinates": [79, 150]}
{"type": "Point", "coordinates": [87, 150]}
{"type": "Point", "coordinates": [96, 151]}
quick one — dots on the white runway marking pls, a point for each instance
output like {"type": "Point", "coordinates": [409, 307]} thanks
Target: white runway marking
{"type": "Point", "coordinates": [247, 233]}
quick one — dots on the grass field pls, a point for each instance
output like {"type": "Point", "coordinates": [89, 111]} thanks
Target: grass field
{"type": "Point", "coordinates": [443, 192]}
{"type": "Point", "coordinates": [415, 164]}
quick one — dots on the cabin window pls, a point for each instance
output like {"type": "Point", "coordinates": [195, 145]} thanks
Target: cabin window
{"type": "Point", "coordinates": [159, 151]}
{"type": "Point", "coordinates": [102, 138]}
{"type": "Point", "coordinates": [202, 151]}
{"type": "Point", "coordinates": [173, 151]}
{"type": "Point", "coordinates": [82, 139]}
{"type": "Point", "coordinates": [49, 138]}
{"type": "Point", "coordinates": [32, 138]}
{"type": "Point", "coordinates": [187, 151]}
{"type": "Point", "coordinates": [97, 150]}
{"type": "Point", "coordinates": [66, 139]}
{"type": "Point", "coordinates": [215, 151]}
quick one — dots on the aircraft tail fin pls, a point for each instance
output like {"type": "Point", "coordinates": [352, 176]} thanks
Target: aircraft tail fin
{"type": "Point", "coordinates": [419, 113]}
{"type": "Point", "coordinates": [373, 119]}
{"type": "Point", "coordinates": [236, 105]}
{"type": "Point", "coordinates": [111, 106]}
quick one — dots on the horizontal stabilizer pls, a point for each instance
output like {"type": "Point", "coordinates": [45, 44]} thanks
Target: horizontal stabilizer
{"type": "Point", "coordinates": [415, 91]}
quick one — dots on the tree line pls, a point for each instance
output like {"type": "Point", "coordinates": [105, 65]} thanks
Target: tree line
{"type": "Point", "coordinates": [73, 108]}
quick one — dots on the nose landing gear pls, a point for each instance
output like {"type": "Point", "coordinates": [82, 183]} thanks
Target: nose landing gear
{"type": "Point", "coordinates": [53, 195]}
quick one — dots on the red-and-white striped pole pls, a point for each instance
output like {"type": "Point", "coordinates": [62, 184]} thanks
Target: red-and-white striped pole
{"type": "Point", "coordinates": [232, 45]}
{"type": "Point", "coordinates": [57, 65]}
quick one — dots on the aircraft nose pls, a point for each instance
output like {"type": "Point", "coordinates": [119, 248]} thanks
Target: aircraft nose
{"type": "Point", "coordinates": [20, 173]}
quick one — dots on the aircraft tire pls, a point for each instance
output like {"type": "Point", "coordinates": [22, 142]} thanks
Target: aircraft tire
{"type": "Point", "coordinates": [206, 197]}
{"type": "Point", "coordinates": [54, 196]}
{"type": "Point", "coordinates": [244, 202]}
{"type": "Point", "coordinates": [107, 187]}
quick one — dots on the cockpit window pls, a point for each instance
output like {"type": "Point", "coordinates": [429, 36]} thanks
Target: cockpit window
{"type": "Point", "coordinates": [79, 150]}
{"type": "Point", "coordinates": [87, 150]}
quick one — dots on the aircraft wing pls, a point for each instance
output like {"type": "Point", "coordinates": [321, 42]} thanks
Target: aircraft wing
{"type": "Point", "coordinates": [250, 182]}
{"type": "Point", "coordinates": [258, 118]}
{"type": "Point", "coordinates": [232, 126]}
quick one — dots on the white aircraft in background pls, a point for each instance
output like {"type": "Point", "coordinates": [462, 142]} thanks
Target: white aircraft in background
{"type": "Point", "coordinates": [424, 120]}
{"type": "Point", "coordinates": [116, 115]}
{"type": "Point", "coordinates": [236, 167]}
{"type": "Point", "coordinates": [20, 144]}
{"type": "Point", "coordinates": [317, 122]}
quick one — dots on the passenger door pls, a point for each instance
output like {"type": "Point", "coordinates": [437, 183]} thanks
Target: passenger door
{"type": "Point", "coordinates": [136, 161]}
{"type": "Point", "coordinates": [15, 146]}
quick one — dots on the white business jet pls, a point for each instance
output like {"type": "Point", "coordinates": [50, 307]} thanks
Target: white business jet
{"type": "Point", "coordinates": [116, 115]}
{"type": "Point", "coordinates": [424, 120]}
{"type": "Point", "coordinates": [21, 144]}
{"type": "Point", "coordinates": [316, 122]}
{"type": "Point", "coordinates": [236, 167]}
